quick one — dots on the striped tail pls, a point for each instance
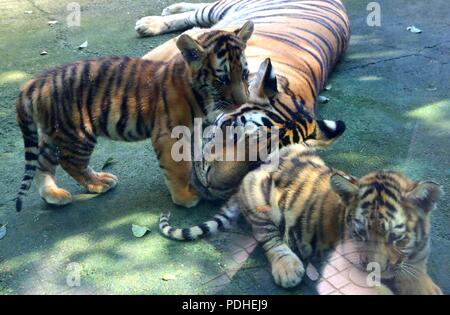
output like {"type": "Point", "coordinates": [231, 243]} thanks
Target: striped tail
{"type": "Point", "coordinates": [30, 139]}
{"type": "Point", "coordinates": [220, 222]}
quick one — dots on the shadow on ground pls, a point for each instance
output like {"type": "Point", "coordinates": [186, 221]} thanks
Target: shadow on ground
{"type": "Point", "coordinates": [391, 89]}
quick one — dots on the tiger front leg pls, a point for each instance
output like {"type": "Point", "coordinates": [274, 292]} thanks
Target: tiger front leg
{"type": "Point", "coordinates": [418, 284]}
{"type": "Point", "coordinates": [287, 268]}
{"type": "Point", "coordinates": [177, 174]}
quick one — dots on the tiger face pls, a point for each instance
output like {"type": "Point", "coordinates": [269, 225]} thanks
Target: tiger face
{"type": "Point", "coordinates": [388, 219]}
{"type": "Point", "coordinates": [299, 126]}
{"type": "Point", "coordinates": [218, 67]}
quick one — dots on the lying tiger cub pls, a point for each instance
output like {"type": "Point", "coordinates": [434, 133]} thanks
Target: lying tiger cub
{"type": "Point", "coordinates": [301, 205]}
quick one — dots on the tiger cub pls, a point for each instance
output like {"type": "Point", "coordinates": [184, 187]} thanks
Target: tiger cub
{"type": "Point", "coordinates": [303, 206]}
{"type": "Point", "coordinates": [61, 112]}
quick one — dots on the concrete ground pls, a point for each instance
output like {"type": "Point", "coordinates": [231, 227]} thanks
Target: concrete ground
{"type": "Point", "coordinates": [392, 90]}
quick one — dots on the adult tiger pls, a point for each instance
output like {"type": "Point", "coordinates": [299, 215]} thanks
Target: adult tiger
{"type": "Point", "coordinates": [255, 128]}
{"type": "Point", "coordinates": [303, 39]}
{"type": "Point", "coordinates": [62, 111]}
{"type": "Point", "coordinates": [300, 208]}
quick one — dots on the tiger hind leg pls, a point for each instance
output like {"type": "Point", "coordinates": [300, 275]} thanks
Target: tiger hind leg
{"type": "Point", "coordinates": [156, 25]}
{"type": "Point", "coordinates": [177, 174]}
{"type": "Point", "coordinates": [45, 178]}
{"type": "Point", "coordinates": [188, 18]}
{"type": "Point", "coordinates": [76, 164]}
{"type": "Point", "coordinates": [182, 7]}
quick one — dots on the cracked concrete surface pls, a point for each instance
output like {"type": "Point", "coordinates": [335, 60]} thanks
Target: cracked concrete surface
{"type": "Point", "coordinates": [392, 90]}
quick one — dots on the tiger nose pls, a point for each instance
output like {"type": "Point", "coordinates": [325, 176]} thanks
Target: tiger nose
{"type": "Point", "coordinates": [240, 98]}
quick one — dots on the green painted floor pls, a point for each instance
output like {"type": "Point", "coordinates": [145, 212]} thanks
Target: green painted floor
{"type": "Point", "coordinates": [392, 90]}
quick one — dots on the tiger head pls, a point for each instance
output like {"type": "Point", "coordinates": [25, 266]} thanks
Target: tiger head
{"type": "Point", "coordinates": [218, 67]}
{"type": "Point", "coordinates": [388, 219]}
{"type": "Point", "coordinates": [298, 126]}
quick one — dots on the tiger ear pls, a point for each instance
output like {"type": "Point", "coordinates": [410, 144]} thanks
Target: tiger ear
{"type": "Point", "coordinates": [266, 80]}
{"type": "Point", "coordinates": [425, 195]}
{"type": "Point", "coordinates": [192, 52]}
{"type": "Point", "coordinates": [345, 186]}
{"type": "Point", "coordinates": [245, 32]}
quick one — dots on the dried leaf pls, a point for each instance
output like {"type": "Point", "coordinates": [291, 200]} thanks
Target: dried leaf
{"type": "Point", "coordinates": [323, 99]}
{"type": "Point", "coordinates": [43, 53]}
{"type": "Point", "coordinates": [414, 29]}
{"type": "Point", "coordinates": [139, 231]}
{"type": "Point", "coordinates": [84, 197]}
{"type": "Point", "coordinates": [108, 162]}
{"type": "Point", "coordinates": [84, 45]}
{"type": "Point", "coordinates": [3, 231]}
{"type": "Point", "coordinates": [168, 277]}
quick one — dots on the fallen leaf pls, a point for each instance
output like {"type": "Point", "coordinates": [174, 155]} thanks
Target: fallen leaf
{"type": "Point", "coordinates": [43, 53]}
{"type": "Point", "coordinates": [108, 162]}
{"type": "Point", "coordinates": [3, 231]}
{"type": "Point", "coordinates": [84, 45]}
{"type": "Point", "coordinates": [84, 197]}
{"type": "Point", "coordinates": [52, 22]}
{"type": "Point", "coordinates": [414, 29]}
{"type": "Point", "coordinates": [323, 99]}
{"type": "Point", "coordinates": [168, 277]}
{"type": "Point", "coordinates": [139, 230]}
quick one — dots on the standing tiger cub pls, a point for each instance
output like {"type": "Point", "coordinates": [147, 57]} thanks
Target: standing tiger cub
{"type": "Point", "coordinates": [301, 206]}
{"type": "Point", "coordinates": [61, 112]}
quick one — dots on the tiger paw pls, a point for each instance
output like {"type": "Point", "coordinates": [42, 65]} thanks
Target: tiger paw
{"type": "Point", "coordinates": [288, 271]}
{"type": "Point", "coordinates": [151, 25]}
{"type": "Point", "coordinates": [56, 196]}
{"type": "Point", "coordinates": [427, 288]}
{"type": "Point", "coordinates": [187, 198]}
{"type": "Point", "coordinates": [101, 182]}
